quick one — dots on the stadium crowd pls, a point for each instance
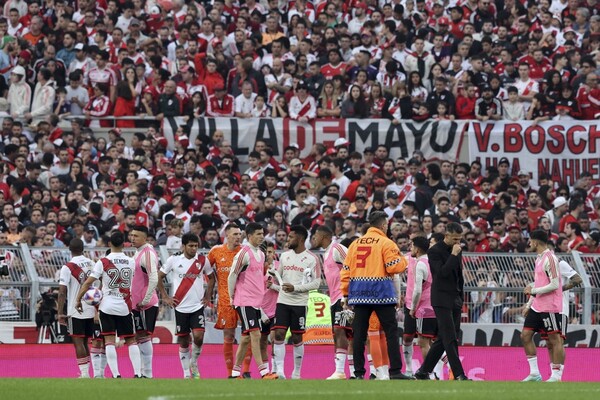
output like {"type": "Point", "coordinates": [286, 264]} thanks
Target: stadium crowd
{"type": "Point", "coordinates": [469, 60]}
{"type": "Point", "coordinates": [475, 59]}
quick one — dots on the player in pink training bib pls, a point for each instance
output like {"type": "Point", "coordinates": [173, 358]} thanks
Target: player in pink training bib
{"type": "Point", "coordinates": [246, 284]}
{"type": "Point", "coordinates": [542, 313]}
{"type": "Point", "coordinates": [333, 260]}
{"type": "Point", "coordinates": [143, 294]}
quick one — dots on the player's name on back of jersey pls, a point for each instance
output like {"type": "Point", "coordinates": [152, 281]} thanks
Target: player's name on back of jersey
{"type": "Point", "coordinates": [120, 261]}
{"type": "Point", "coordinates": [116, 293]}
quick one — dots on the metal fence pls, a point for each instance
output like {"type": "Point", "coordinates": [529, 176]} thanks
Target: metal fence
{"type": "Point", "coordinates": [493, 284]}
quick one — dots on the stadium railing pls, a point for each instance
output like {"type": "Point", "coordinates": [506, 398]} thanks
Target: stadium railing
{"type": "Point", "coordinates": [493, 283]}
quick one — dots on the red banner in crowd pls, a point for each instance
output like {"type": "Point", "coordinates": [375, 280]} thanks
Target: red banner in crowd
{"type": "Point", "coordinates": [436, 139]}
{"type": "Point", "coordinates": [563, 149]}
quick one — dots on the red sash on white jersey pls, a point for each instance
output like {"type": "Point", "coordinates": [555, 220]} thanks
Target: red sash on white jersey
{"type": "Point", "coordinates": [304, 110]}
{"type": "Point", "coordinates": [528, 88]}
{"type": "Point", "coordinates": [190, 277]}
{"type": "Point", "coordinates": [404, 193]}
{"type": "Point", "coordinates": [76, 272]}
{"type": "Point", "coordinates": [126, 292]}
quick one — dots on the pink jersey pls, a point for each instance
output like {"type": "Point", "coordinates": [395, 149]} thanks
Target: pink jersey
{"type": "Point", "coordinates": [250, 285]}
{"type": "Point", "coordinates": [146, 262]}
{"type": "Point", "coordinates": [270, 300]}
{"type": "Point", "coordinates": [333, 260]}
{"type": "Point", "coordinates": [546, 269]}
{"type": "Point", "coordinates": [424, 308]}
{"type": "Point", "coordinates": [410, 280]}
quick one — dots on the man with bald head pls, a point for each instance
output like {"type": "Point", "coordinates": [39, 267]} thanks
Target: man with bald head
{"type": "Point", "coordinates": [277, 82]}
{"type": "Point", "coordinates": [168, 103]}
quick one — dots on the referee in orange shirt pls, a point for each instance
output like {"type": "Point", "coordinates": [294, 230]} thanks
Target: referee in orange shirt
{"type": "Point", "coordinates": [368, 286]}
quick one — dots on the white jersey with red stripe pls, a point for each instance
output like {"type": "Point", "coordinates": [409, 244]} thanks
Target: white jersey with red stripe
{"type": "Point", "coordinates": [116, 283]}
{"type": "Point", "coordinates": [306, 108]}
{"type": "Point", "coordinates": [73, 285]}
{"type": "Point", "coordinates": [146, 264]}
{"type": "Point", "coordinates": [176, 268]}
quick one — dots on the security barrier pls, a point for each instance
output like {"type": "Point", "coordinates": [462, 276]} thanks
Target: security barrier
{"type": "Point", "coordinates": [494, 284]}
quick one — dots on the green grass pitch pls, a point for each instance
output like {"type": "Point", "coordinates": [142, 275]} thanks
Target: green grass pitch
{"type": "Point", "coordinates": [162, 389]}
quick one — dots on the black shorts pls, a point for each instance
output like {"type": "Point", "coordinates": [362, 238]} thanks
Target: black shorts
{"type": "Point", "coordinates": [82, 328]}
{"type": "Point", "coordinates": [545, 323]}
{"type": "Point", "coordinates": [97, 332]}
{"type": "Point", "coordinates": [250, 318]}
{"type": "Point", "coordinates": [266, 328]}
{"type": "Point", "coordinates": [427, 327]}
{"type": "Point", "coordinates": [145, 320]}
{"type": "Point", "coordinates": [187, 322]}
{"type": "Point", "coordinates": [564, 325]}
{"type": "Point", "coordinates": [121, 325]}
{"type": "Point", "coordinates": [336, 318]}
{"type": "Point", "coordinates": [410, 324]}
{"type": "Point", "coordinates": [293, 317]}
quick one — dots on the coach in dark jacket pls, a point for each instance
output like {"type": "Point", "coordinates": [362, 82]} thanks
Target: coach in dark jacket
{"type": "Point", "coordinates": [445, 263]}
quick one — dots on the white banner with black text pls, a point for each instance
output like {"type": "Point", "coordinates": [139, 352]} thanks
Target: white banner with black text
{"type": "Point", "coordinates": [436, 139]}
{"type": "Point", "coordinates": [563, 149]}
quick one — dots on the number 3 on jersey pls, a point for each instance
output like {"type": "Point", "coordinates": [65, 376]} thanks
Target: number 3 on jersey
{"type": "Point", "coordinates": [362, 253]}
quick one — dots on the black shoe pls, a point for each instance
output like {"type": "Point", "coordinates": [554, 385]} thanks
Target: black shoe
{"type": "Point", "coordinates": [136, 377]}
{"type": "Point", "coordinates": [246, 375]}
{"type": "Point", "coordinates": [402, 376]}
{"type": "Point", "coordinates": [352, 377]}
{"type": "Point", "coordinates": [372, 377]}
{"type": "Point", "coordinates": [118, 377]}
{"type": "Point", "coordinates": [421, 376]}
{"type": "Point", "coordinates": [462, 377]}
{"type": "Point", "coordinates": [359, 377]}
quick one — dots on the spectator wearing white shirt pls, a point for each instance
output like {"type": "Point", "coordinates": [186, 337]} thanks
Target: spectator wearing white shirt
{"type": "Point", "coordinates": [244, 103]}
{"type": "Point", "coordinates": [77, 96]}
{"type": "Point", "coordinates": [19, 93]}
{"type": "Point", "coordinates": [43, 97]}
{"type": "Point", "coordinates": [339, 179]}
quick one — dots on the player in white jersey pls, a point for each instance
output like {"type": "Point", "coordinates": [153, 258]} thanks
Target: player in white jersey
{"type": "Point", "coordinates": [333, 261]}
{"type": "Point", "coordinates": [186, 272]}
{"type": "Point", "coordinates": [300, 272]}
{"type": "Point", "coordinates": [116, 271]}
{"type": "Point", "coordinates": [143, 294]}
{"type": "Point", "coordinates": [569, 279]}
{"type": "Point", "coordinates": [80, 326]}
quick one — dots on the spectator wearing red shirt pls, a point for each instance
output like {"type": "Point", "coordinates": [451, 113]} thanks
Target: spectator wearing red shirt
{"type": "Point", "coordinates": [220, 104]}
{"type": "Point", "coordinates": [576, 207]}
{"type": "Point", "coordinates": [465, 103]}
{"type": "Point", "coordinates": [574, 236]}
